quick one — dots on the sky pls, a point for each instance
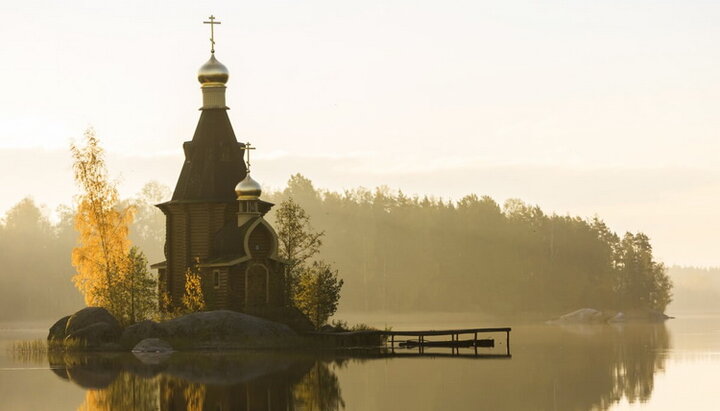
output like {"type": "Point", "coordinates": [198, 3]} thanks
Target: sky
{"type": "Point", "coordinates": [581, 107]}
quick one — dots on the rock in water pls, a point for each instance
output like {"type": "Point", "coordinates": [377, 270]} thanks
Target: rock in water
{"type": "Point", "coordinates": [152, 345]}
{"type": "Point", "coordinates": [94, 327]}
{"type": "Point", "coordinates": [141, 331]}
{"type": "Point", "coordinates": [95, 335]}
{"type": "Point", "coordinates": [618, 318]}
{"type": "Point", "coordinates": [220, 329]}
{"type": "Point", "coordinates": [581, 316]}
{"type": "Point", "coordinates": [290, 316]}
{"type": "Point", "coordinates": [91, 315]}
{"type": "Point", "coordinates": [57, 331]}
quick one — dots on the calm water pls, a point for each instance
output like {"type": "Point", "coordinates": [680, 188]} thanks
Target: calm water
{"type": "Point", "coordinates": [669, 366]}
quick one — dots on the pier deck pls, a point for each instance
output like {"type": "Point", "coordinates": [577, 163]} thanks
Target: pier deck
{"type": "Point", "coordinates": [418, 340]}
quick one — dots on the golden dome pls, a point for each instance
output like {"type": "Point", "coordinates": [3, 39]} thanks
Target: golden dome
{"type": "Point", "coordinates": [213, 73]}
{"type": "Point", "coordinates": [248, 189]}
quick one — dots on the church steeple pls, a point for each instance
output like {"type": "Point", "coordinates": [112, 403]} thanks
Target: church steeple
{"type": "Point", "coordinates": [213, 159]}
{"type": "Point", "coordinates": [214, 222]}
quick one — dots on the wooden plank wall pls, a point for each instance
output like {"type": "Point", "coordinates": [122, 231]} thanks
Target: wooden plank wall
{"type": "Point", "coordinates": [199, 231]}
{"type": "Point", "coordinates": [177, 260]}
{"type": "Point", "coordinates": [190, 232]}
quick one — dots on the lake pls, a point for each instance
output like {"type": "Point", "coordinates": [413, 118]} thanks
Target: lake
{"type": "Point", "coordinates": [618, 367]}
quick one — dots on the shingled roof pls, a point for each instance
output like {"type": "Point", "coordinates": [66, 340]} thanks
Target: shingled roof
{"type": "Point", "coordinates": [213, 161]}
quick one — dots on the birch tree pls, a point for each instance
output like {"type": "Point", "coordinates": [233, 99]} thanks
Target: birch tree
{"type": "Point", "coordinates": [298, 243]}
{"type": "Point", "coordinates": [109, 273]}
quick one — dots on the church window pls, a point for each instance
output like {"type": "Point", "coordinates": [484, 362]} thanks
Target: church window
{"type": "Point", "coordinates": [216, 279]}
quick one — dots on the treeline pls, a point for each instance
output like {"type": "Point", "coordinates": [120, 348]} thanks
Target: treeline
{"type": "Point", "coordinates": [401, 253]}
{"type": "Point", "coordinates": [695, 289]}
{"type": "Point", "coordinates": [35, 265]}
{"type": "Point", "coordinates": [394, 252]}
{"type": "Point", "coordinates": [35, 254]}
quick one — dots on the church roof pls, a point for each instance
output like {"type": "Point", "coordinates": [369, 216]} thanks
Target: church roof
{"type": "Point", "coordinates": [229, 240]}
{"type": "Point", "coordinates": [228, 245]}
{"type": "Point", "coordinates": [161, 264]}
{"type": "Point", "coordinates": [227, 261]}
{"type": "Point", "coordinates": [213, 161]}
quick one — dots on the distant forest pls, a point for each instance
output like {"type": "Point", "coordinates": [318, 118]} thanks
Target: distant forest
{"type": "Point", "coordinates": [695, 289]}
{"type": "Point", "coordinates": [395, 252]}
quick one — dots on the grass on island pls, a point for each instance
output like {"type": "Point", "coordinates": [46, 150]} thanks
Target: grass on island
{"type": "Point", "coordinates": [37, 350]}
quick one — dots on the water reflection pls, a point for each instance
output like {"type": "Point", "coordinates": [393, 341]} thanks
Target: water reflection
{"type": "Point", "coordinates": [203, 381]}
{"type": "Point", "coordinates": [591, 367]}
{"type": "Point", "coordinates": [571, 368]}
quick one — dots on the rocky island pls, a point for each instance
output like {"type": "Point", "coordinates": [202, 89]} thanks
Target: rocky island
{"type": "Point", "coordinates": [94, 328]}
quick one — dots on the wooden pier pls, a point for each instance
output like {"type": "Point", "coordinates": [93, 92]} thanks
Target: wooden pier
{"type": "Point", "coordinates": [455, 342]}
{"type": "Point", "coordinates": [416, 342]}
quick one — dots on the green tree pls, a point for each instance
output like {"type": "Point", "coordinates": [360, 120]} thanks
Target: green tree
{"type": "Point", "coordinates": [319, 390]}
{"type": "Point", "coordinates": [298, 243]}
{"type": "Point", "coordinates": [641, 281]}
{"type": "Point", "coordinates": [139, 290]}
{"type": "Point", "coordinates": [318, 292]}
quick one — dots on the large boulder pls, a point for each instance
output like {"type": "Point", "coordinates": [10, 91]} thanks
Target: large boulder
{"type": "Point", "coordinates": [227, 329]}
{"type": "Point", "coordinates": [290, 316]}
{"type": "Point", "coordinates": [57, 330]}
{"type": "Point", "coordinates": [91, 315]}
{"type": "Point", "coordinates": [95, 336]}
{"type": "Point", "coordinates": [140, 331]}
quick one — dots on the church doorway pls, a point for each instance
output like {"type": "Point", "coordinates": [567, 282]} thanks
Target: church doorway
{"type": "Point", "coordinates": [256, 285]}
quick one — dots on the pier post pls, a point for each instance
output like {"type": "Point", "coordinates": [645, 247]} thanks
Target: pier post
{"type": "Point", "coordinates": [508, 342]}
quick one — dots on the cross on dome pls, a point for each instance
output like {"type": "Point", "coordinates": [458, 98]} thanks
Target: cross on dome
{"type": "Point", "coordinates": [212, 24]}
{"type": "Point", "coordinates": [248, 147]}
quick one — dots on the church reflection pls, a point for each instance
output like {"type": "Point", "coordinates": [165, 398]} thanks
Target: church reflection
{"type": "Point", "coordinates": [203, 381]}
{"type": "Point", "coordinates": [554, 367]}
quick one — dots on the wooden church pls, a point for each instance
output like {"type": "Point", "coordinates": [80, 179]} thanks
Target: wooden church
{"type": "Point", "coordinates": [215, 220]}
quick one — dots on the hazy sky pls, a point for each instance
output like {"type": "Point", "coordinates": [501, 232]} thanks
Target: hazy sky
{"type": "Point", "coordinates": [583, 107]}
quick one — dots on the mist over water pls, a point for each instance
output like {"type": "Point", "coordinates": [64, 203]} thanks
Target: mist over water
{"type": "Point", "coordinates": [552, 368]}
{"type": "Point", "coordinates": [409, 263]}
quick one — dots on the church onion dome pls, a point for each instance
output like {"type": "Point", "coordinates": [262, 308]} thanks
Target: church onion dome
{"type": "Point", "coordinates": [213, 73]}
{"type": "Point", "coordinates": [248, 189]}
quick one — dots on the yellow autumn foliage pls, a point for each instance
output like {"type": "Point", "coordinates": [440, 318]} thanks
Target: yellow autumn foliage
{"type": "Point", "coordinates": [102, 258]}
{"type": "Point", "coordinates": [194, 299]}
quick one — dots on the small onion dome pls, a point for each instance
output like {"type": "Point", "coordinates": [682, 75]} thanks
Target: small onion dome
{"type": "Point", "coordinates": [248, 189]}
{"type": "Point", "coordinates": [213, 73]}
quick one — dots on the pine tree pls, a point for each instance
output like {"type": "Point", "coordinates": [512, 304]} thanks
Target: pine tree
{"type": "Point", "coordinates": [139, 288]}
